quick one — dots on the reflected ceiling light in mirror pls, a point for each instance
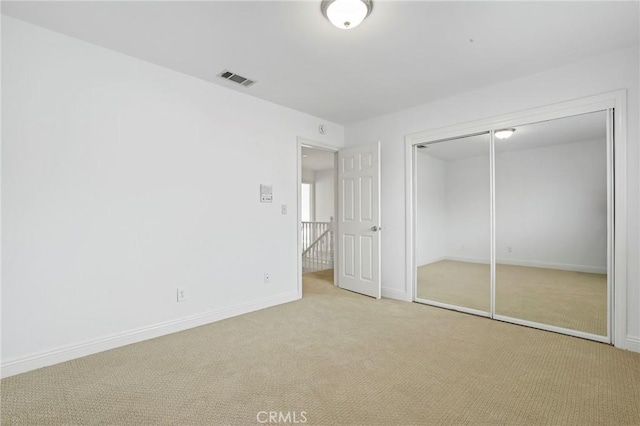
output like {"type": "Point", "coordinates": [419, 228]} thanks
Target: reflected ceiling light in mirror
{"type": "Point", "coordinates": [504, 133]}
{"type": "Point", "coordinates": [346, 14]}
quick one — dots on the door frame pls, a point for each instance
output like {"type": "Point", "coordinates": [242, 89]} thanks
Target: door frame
{"type": "Point", "coordinates": [618, 266]}
{"type": "Point", "coordinates": [304, 142]}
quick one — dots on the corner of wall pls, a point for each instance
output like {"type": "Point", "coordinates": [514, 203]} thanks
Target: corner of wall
{"type": "Point", "coordinates": [390, 293]}
{"type": "Point", "coordinates": [633, 343]}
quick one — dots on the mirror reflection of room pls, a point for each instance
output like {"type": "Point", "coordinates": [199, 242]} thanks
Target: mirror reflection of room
{"type": "Point", "coordinates": [453, 223]}
{"type": "Point", "coordinates": [551, 223]}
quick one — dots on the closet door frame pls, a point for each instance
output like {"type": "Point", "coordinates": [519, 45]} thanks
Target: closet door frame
{"type": "Point", "coordinates": [616, 105]}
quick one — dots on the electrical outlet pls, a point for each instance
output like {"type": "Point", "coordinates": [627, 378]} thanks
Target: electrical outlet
{"type": "Point", "coordinates": [509, 249]}
{"type": "Point", "coordinates": [462, 247]}
{"type": "Point", "coordinates": [181, 294]}
{"type": "Point", "coordinates": [267, 278]}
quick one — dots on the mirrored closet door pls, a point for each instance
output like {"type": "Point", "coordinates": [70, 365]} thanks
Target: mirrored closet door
{"type": "Point", "coordinates": [516, 224]}
{"type": "Point", "coordinates": [453, 224]}
{"type": "Point", "coordinates": [551, 223]}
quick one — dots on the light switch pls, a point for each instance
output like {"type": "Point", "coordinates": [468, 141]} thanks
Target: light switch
{"type": "Point", "coordinates": [284, 209]}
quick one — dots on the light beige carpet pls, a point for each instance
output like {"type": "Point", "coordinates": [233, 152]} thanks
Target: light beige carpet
{"type": "Point", "coordinates": [343, 359]}
{"type": "Point", "coordinates": [456, 283]}
{"type": "Point", "coordinates": [574, 300]}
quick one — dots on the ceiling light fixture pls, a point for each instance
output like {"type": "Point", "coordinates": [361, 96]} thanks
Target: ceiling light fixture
{"type": "Point", "coordinates": [504, 133]}
{"type": "Point", "coordinates": [346, 14]}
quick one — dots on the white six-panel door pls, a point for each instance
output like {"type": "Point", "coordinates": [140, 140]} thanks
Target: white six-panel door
{"type": "Point", "coordinates": [359, 219]}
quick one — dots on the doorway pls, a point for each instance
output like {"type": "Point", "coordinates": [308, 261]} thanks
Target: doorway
{"type": "Point", "coordinates": [351, 247]}
{"type": "Point", "coordinates": [317, 226]}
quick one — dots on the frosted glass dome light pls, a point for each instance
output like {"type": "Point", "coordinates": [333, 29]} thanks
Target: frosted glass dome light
{"type": "Point", "coordinates": [504, 133]}
{"type": "Point", "coordinates": [346, 14]}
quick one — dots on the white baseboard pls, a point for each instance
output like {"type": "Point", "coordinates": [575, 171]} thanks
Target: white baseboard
{"type": "Point", "coordinates": [633, 343]}
{"type": "Point", "coordinates": [534, 264]}
{"type": "Point", "coordinates": [550, 265]}
{"type": "Point", "coordinates": [66, 353]}
{"type": "Point", "coordinates": [389, 293]}
{"type": "Point", "coordinates": [430, 261]}
{"type": "Point", "coordinates": [467, 259]}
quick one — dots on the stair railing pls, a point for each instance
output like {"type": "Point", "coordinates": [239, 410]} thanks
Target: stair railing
{"type": "Point", "coordinates": [317, 243]}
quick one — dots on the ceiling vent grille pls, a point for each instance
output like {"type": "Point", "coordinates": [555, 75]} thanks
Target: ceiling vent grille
{"type": "Point", "coordinates": [243, 81]}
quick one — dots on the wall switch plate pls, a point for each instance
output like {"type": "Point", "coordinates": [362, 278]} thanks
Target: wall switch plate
{"type": "Point", "coordinates": [181, 295]}
{"type": "Point", "coordinates": [267, 278]}
{"type": "Point", "coordinates": [284, 209]}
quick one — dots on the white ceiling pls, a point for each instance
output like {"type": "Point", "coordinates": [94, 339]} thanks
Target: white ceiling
{"type": "Point", "coordinates": [317, 159]}
{"type": "Point", "coordinates": [404, 54]}
{"type": "Point", "coordinates": [578, 128]}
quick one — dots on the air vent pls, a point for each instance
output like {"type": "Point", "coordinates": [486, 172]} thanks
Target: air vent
{"type": "Point", "coordinates": [243, 81]}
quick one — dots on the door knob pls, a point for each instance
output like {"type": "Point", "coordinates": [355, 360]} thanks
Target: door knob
{"type": "Point", "coordinates": [376, 228]}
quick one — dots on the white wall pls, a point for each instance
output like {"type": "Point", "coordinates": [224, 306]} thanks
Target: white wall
{"type": "Point", "coordinates": [308, 176]}
{"type": "Point", "coordinates": [467, 202]}
{"type": "Point", "coordinates": [325, 195]}
{"type": "Point", "coordinates": [431, 216]}
{"type": "Point", "coordinates": [323, 192]}
{"type": "Point", "coordinates": [121, 181]}
{"type": "Point", "coordinates": [614, 71]}
{"type": "Point", "coordinates": [550, 207]}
